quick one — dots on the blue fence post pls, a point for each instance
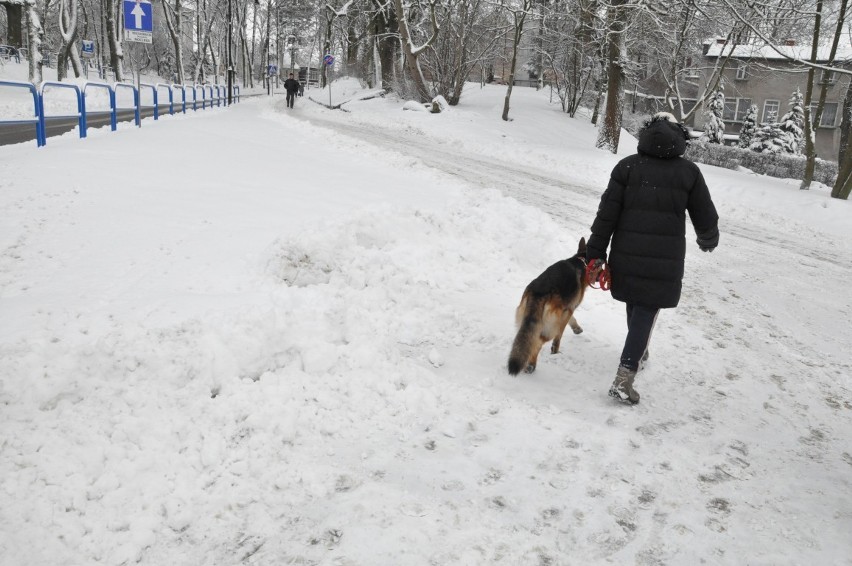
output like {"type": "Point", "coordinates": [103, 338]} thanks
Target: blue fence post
{"type": "Point", "coordinates": [135, 100]}
{"type": "Point", "coordinates": [38, 113]}
{"type": "Point", "coordinates": [113, 122]}
{"type": "Point", "coordinates": [81, 106]}
{"type": "Point", "coordinates": [154, 94]}
{"type": "Point", "coordinates": [41, 131]}
{"type": "Point", "coordinates": [182, 97]}
{"type": "Point", "coordinates": [171, 97]}
{"type": "Point", "coordinates": [211, 95]}
{"type": "Point", "coordinates": [111, 111]}
{"type": "Point", "coordinates": [81, 114]}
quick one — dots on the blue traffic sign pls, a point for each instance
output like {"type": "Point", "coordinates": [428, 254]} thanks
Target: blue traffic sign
{"type": "Point", "coordinates": [138, 16]}
{"type": "Point", "coordinates": [88, 48]}
{"type": "Point", "coordinates": [328, 60]}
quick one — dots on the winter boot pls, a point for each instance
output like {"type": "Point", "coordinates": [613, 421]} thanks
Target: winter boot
{"type": "Point", "coordinates": [622, 387]}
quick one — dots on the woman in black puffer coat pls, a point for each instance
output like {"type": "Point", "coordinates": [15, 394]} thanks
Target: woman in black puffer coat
{"type": "Point", "coordinates": [643, 211]}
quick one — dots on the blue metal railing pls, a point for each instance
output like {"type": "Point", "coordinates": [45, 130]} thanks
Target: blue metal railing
{"type": "Point", "coordinates": [111, 111]}
{"type": "Point", "coordinates": [135, 91]}
{"type": "Point", "coordinates": [171, 96]}
{"type": "Point", "coordinates": [182, 89]}
{"type": "Point", "coordinates": [210, 95]}
{"type": "Point", "coordinates": [153, 90]}
{"type": "Point", "coordinates": [195, 97]}
{"type": "Point", "coordinates": [38, 116]}
{"type": "Point", "coordinates": [81, 107]}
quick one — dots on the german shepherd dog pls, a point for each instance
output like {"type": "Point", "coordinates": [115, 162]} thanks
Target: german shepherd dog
{"type": "Point", "coordinates": [547, 306]}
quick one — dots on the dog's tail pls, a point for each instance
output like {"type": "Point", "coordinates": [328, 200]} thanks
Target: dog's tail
{"type": "Point", "coordinates": [529, 316]}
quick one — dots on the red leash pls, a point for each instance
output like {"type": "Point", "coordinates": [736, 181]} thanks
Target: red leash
{"type": "Point", "coordinates": [604, 278]}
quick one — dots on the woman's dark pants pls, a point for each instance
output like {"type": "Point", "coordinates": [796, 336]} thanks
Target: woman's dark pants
{"type": "Point", "coordinates": [640, 324]}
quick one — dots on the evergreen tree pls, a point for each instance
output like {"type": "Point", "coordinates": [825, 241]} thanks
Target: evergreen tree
{"type": "Point", "coordinates": [793, 125]}
{"type": "Point", "coordinates": [714, 127]}
{"type": "Point", "coordinates": [768, 139]}
{"type": "Point", "coordinates": [749, 127]}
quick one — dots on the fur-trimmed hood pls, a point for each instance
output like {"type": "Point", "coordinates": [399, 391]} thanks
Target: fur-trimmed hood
{"type": "Point", "coordinates": [662, 137]}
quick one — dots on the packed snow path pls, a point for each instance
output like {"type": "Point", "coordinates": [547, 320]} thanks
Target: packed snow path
{"type": "Point", "coordinates": [286, 345]}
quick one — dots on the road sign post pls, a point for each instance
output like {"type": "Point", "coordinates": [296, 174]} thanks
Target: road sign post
{"type": "Point", "coordinates": [271, 71]}
{"type": "Point", "coordinates": [138, 21]}
{"type": "Point", "coordinates": [329, 61]}
{"type": "Point", "coordinates": [87, 51]}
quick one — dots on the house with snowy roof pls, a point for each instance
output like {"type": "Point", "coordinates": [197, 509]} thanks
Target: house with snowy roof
{"type": "Point", "coordinates": [767, 76]}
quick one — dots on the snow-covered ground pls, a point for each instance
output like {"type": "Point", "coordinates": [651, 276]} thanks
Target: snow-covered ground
{"type": "Point", "coordinates": [268, 336]}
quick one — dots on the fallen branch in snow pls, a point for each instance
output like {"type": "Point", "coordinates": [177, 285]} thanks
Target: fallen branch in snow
{"type": "Point", "coordinates": [329, 106]}
{"type": "Point", "coordinates": [379, 94]}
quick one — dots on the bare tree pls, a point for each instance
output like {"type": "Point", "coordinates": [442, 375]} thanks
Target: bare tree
{"type": "Point", "coordinates": [412, 53]}
{"type": "Point", "coordinates": [68, 33]}
{"type": "Point", "coordinates": [812, 122]}
{"type": "Point", "coordinates": [110, 8]}
{"type": "Point", "coordinates": [518, 12]}
{"type": "Point", "coordinates": [610, 131]}
{"type": "Point", "coordinates": [174, 22]}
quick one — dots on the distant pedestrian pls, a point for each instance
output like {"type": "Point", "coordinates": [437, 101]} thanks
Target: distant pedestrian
{"type": "Point", "coordinates": [643, 212]}
{"type": "Point", "coordinates": [301, 88]}
{"type": "Point", "coordinates": [291, 85]}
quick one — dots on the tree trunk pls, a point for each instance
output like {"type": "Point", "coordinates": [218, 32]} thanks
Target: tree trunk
{"type": "Point", "coordinates": [35, 33]}
{"type": "Point", "coordinates": [610, 132]}
{"type": "Point", "coordinates": [116, 54]}
{"type": "Point", "coordinates": [68, 32]}
{"type": "Point", "coordinates": [516, 40]}
{"type": "Point", "coordinates": [14, 24]}
{"type": "Point", "coordinates": [843, 183]}
{"type": "Point", "coordinates": [174, 23]}
{"type": "Point", "coordinates": [386, 25]}
{"type": "Point", "coordinates": [810, 123]}
{"type": "Point", "coordinates": [411, 53]}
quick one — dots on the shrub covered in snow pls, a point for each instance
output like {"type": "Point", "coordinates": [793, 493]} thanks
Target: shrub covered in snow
{"type": "Point", "coordinates": [714, 127]}
{"type": "Point", "coordinates": [786, 135]}
{"type": "Point", "coordinates": [749, 127]}
{"type": "Point", "coordinates": [780, 165]}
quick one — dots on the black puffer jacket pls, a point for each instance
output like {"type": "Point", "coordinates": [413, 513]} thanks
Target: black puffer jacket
{"type": "Point", "coordinates": [643, 211]}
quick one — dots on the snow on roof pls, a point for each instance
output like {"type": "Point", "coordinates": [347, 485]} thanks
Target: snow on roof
{"type": "Point", "coordinates": [765, 51]}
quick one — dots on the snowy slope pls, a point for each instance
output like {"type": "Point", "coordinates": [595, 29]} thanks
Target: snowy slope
{"type": "Point", "coordinates": [272, 336]}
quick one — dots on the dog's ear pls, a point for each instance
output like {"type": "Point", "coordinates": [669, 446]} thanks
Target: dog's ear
{"type": "Point", "coordinates": [581, 249]}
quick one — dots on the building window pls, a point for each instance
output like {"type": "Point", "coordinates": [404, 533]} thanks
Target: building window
{"type": "Point", "coordinates": [770, 110]}
{"type": "Point", "coordinates": [730, 109]}
{"type": "Point", "coordinates": [742, 71]}
{"type": "Point", "coordinates": [828, 77]}
{"type": "Point", "coordinates": [736, 109]}
{"type": "Point", "coordinates": [829, 114]}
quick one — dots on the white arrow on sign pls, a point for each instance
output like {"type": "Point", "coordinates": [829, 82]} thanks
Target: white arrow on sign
{"type": "Point", "coordinates": [138, 12]}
